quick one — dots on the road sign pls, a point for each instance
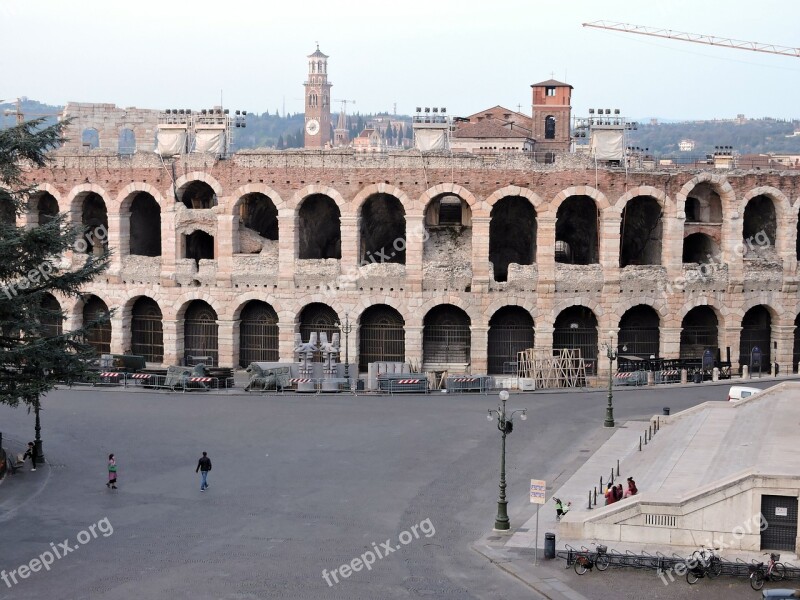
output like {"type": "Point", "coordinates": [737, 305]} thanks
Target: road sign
{"type": "Point", "coordinates": [538, 487]}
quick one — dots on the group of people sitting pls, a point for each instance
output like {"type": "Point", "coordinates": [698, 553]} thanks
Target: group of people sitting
{"type": "Point", "coordinates": [615, 493]}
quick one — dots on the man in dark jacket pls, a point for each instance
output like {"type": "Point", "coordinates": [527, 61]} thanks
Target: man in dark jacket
{"type": "Point", "coordinates": [204, 466]}
{"type": "Point", "coordinates": [31, 453]}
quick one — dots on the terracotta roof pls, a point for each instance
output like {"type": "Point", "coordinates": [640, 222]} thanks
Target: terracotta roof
{"type": "Point", "coordinates": [366, 133]}
{"type": "Point", "coordinates": [489, 128]}
{"type": "Point", "coordinates": [552, 83]}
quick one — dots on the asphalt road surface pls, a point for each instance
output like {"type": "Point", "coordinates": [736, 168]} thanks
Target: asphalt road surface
{"type": "Point", "coordinates": [300, 485]}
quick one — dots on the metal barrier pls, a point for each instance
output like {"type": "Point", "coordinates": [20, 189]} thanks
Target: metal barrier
{"type": "Point", "coordinates": [397, 383]}
{"type": "Point", "coordinates": [466, 383]}
{"type": "Point", "coordinates": [175, 383]}
{"type": "Point", "coordinates": [636, 378]}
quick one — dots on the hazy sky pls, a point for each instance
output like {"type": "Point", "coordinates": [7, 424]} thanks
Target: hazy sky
{"type": "Point", "coordinates": [466, 55]}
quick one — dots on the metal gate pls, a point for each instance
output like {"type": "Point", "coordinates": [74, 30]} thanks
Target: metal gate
{"type": "Point", "coordinates": [381, 343]}
{"type": "Point", "coordinates": [780, 514]}
{"type": "Point", "coordinates": [147, 331]}
{"type": "Point", "coordinates": [443, 344]}
{"type": "Point", "coordinates": [258, 334]}
{"type": "Point", "coordinates": [581, 338]}
{"type": "Point", "coordinates": [639, 341]}
{"type": "Point", "coordinates": [695, 340]}
{"type": "Point", "coordinates": [200, 331]}
{"type": "Point", "coordinates": [752, 338]}
{"type": "Point", "coordinates": [98, 335]}
{"type": "Point", "coordinates": [504, 343]}
{"type": "Point", "coordinates": [319, 318]}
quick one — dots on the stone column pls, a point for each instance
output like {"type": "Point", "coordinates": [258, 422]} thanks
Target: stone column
{"type": "Point", "coordinates": [609, 247]}
{"type": "Point", "coordinates": [416, 234]}
{"type": "Point", "coordinates": [169, 248]}
{"type": "Point", "coordinates": [120, 333]}
{"type": "Point", "coordinates": [287, 248]}
{"type": "Point", "coordinates": [480, 254]}
{"type": "Point", "coordinates": [350, 252]}
{"type": "Point", "coordinates": [784, 355]}
{"type": "Point", "coordinates": [545, 253]}
{"type": "Point", "coordinates": [729, 337]}
{"type": "Point", "coordinates": [479, 349]}
{"type": "Point", "coordinates": [670, 342]}
{"type": "Point", "coordinates": [286, 333]}
{"type": "Point", "coordinates": [226, 229]}
{"type": "Point", "coordinates": [119, 238]}
{"type": "Point", "coordinates": [228, 343]}
{"type": "Point", "coordinates": [173, 341]}
{"type": "Point", "coordinates": [414, 345]}
{"type": "Point", "coordinates": [672, 247]}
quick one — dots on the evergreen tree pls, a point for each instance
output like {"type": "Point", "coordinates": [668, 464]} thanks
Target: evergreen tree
{"type": "Point", "coordinates": [280, 145]}
{"type": "Point", "coordinates": [34, 354]}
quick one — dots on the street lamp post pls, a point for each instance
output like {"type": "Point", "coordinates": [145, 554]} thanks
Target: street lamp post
{"type": "Point", "coordinates": [37, 442]}
{"type": "Point", "coordinates": [611, 353]}
{"type": "Point", "coordinates": [505, 423]}
{"type": "Point", "coordinates": [346, 329]}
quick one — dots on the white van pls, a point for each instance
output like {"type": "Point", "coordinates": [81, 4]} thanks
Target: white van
{"type": "Point", "coordinates": [738, 392]}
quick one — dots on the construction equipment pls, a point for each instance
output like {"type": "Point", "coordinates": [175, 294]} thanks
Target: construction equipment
{"type": "Point", "coordinates": [20, 116]}
{"type": "Point", "coordinates": [697, 38]}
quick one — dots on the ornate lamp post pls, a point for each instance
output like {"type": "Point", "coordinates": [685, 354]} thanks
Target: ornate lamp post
{"type": "Point", "coordinates": [611, 353]}
{"type": "Point", "coordinates": [505, 423]}
{"type": "Point", "coordinates": [346, 329]}
{"type": "Point", "coordinates": [37, 442]}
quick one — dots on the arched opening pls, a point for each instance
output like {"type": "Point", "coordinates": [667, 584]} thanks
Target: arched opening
{"type": "Point", "coordinates": [258, 333]}
{"type": "Point", "coordinates": [200, 334]}
{"type": "Point", "coordinates": [320, 231]}
{"type": "Point", "coordinates": [8, 214]}
{"type": "Point", "coordinates": [94, 218]}
{"type": "Point", "coordinates": [704, 204]}
{"type": "Point", "coordinates": [318, 318]}
{"type": "Point", "coordinates": [448, 210]}
{"type": "Point", "coordinates": [381, 336]}
{"type": "Point", "coordinates": [51, 319]}
{"type": "Point", "coordinates": [96, 320]}
{"type": "Point", "coordinates": [145, 225]}
{"type": "Point", "coordinates": [512, 235]}
{"type": "Point", "coordinates": [699, 248]}
{"type": "Point", "coordinates": [577, 231]}
{"type": "Point", "coordinates": [639, 332]}
{"type": "Point", "coordinates": [510, 331]}
{"type": "Point", "coordinates": [147, 331]}
{"type": "Point", "coordinates": [127, 141]}
{"type": "Point", "coordinates": [43, 208]}
{"type": "Point", "coordinates": [446, 336]}
{"type": "Point", "coordinates": [640, 232]}
{"type": "Point", "coordinates": [550, 127]}
{"type": "Point", "coordinates": [257, 213]}
{"type": "Point", "coordinates": [759, 227]}
{"type": "Point", "coordinates": [383, 230]}
{"type": "Point", "coordinates": [199, 246]}
{"type": "Point", "coordinates": [699, 332]}
{"type": "Point", "coordinates": [796, 347]}
{"type": "Point", "coordinates": [90, 139]}
{"type": "Point", "coordinates": [756, 337]}
{"type": "Point", "coordinates": [197, 194]}
{"type": "Point", "coordinates": [576, 329]}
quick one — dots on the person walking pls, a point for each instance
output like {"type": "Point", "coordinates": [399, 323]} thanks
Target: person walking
{"type": "Point", "coordinates": [112, 472]}
{"type": "Point", "coordinates": [204, 466]}
{"type": "Point", "coordinates": [561, 510]}
{"type": "Point", "coordinates": [31, 453]}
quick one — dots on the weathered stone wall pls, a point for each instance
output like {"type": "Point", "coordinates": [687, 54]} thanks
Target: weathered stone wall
{"type": "Point", "coordinates": [436, 272]}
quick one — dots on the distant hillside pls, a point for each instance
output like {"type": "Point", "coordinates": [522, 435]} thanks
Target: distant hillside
{"type": "Point", "coordinates": [750, 136]}
{"type": "Point", "coordinates": [30, 109]}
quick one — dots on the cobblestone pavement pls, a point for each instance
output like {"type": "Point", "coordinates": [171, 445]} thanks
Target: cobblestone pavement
{"type": "Point", "coordinates": [299, 484]}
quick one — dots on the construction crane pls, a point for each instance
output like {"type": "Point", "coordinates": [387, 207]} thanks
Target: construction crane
{"type": "Point", "coordinates": [697, 38]}
{"type": "Point", "coordinates": [344, 104]}
{"type": "Point", "coordinates": [17, 112]}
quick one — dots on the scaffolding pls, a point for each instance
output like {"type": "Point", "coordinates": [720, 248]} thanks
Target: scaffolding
{"type": "Point", "coordinates": [557, 369]}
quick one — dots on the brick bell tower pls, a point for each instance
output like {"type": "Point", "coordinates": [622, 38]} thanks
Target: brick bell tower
{"type": "Point", "coordinates": [552, 113]}
{"type": "Point", "coordinates": [318, 102]}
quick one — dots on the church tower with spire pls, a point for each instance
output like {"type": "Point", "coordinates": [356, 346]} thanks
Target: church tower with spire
{"type": "Point", "coordinates": [318, 102]}
{"type": "Point", "coordinates": [341, 135]}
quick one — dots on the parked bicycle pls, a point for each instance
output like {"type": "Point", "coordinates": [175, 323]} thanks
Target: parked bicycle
{"type": "Point", "coordinates": [772, 571]}
{"type": "Point", "coordinates": [703, 563]}
{"type": "Point", "coordinates": [587, 560]}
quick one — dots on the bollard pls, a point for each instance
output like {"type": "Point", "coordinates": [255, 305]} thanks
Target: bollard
{"type": "Point", "coordinates": [651, 379]}
{"type": "Point", "coordinates": [715, 374]}
{"type": "Point", "coordinates": [684, 376]}
{"type": "Point", "coordinates": [601, 483]}
{"type": "Point", "coordinates": [640, 443]}
{"type": "Point", "coordinates": [745, 372]}
{"type": "Point", "coordinates": [590, 500]}
{"type": "Point", "coordinates": [612, 475]}
{"type": "Point", "coordinates": [645, 438]}
{"type": "Point", "coordinates": [595, 496]}
{"type": "Point", "coordinates": [617, 467]}
{"type": "Point", "coordinates": [658, 423]}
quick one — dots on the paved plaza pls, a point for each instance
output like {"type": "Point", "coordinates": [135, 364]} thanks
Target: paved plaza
{"type": "Point", "coordinates": [300, 484]}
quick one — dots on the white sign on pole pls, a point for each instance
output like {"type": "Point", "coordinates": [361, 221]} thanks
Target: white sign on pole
{"type": "Point", "coordinates": [781, 511]}
{"type": "Point", "coordinates": [538, 487]}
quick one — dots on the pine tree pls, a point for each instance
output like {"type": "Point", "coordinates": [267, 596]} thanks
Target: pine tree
{"type": "Point", "coordinates": [34, 354]}
{"type": "Point", "coordinates": [280, 145]}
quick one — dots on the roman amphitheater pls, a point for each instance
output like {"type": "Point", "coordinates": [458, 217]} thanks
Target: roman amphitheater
{"type": "Point", "coordinates": [445, 261]}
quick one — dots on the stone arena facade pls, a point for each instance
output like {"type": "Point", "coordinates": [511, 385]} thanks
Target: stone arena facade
{"type": "Point", "coordinates": [447, 262]}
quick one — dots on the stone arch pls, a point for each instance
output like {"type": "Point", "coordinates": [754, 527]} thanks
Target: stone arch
{"type": "Point", "coordinates": [254, 188]}
{"type": "Point", "coordinates": [54, 192]}
{"type": "Point", "coordinates": [355, 205]}
{"type": "Point", "coordinates": [195, 176]}
{"type": "Point", "coordinates": [258, 332]}
{"type": "Point", "coordinates": [473, 311]}
{"type": "Point", "coordinates": [122, 203]}
{"type": "Point", "coordinates": [720, 311]}
{"type": "Point", "coordinates": [578, 327]}
{"type": "Point", "coordinates": [514, 190]}
{"type": "Point", "coordinates": [599, 198]}
{"type": "Point", "coordinates": [455, 190]}
{"type": "Point", "coordinates": [578, 233]}
{"type": "Point", "coordinates": [752, 225]}
{"type": "Point", "coordinates": [243, 299]}
{"type": "Point", "coordinates": [312, 190]}
{"type": "Point", "coordinates": [591, 303]}
{"type": "Point", "coordinates": [640, 331]}
{"type": "Point", "coordinates": [721, 186]}
{"type": "Point", "coordinates": [381, 335]}
{"type": "Point", "coordinates": [645, 190]}
{"type": "Point", "coordinates": [511, 329]}
{"type": "Point", "coordinates": [657, 304]}
{"type": "Point", "coordinates": [513, 228]}
{"type": "Point", "coordinates": [783, 206]}
{"type": "Point", "coordinates": [146, 319]}
{"type": "Point", "coordinates": [446, 335]}
{"type": "Point", "coordinates": [525, 303]}
{"type": "Point", "coordinates": [184, 300]}
{"type": "Point", "coordinates": [318, 228]}
{"type": "Point", "coordinates": [72, 205]}
{"type": "Point", "coordinates": [383, 222]}
{"type": "Point", "coordinates": [126, 140]}
{"type": "Point", "coordinates": [698, 335]}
